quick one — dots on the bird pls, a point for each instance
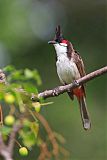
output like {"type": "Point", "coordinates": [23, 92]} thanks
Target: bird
{"type": "Point", "coordinates": [70, 67]}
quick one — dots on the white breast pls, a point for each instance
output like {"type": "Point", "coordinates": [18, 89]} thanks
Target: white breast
{"type": "Point", "coordinates": [66, 69]}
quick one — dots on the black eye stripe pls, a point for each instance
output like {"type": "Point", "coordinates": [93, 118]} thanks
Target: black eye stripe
{"type": "Point", "coordinates": [57, 41]}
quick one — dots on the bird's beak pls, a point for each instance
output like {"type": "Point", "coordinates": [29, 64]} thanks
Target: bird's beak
{"type": "Point", "coordinates": [52, 42]}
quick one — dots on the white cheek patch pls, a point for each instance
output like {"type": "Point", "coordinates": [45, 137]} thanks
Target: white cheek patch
{"type": "Point", "coordinates": [63, 44]}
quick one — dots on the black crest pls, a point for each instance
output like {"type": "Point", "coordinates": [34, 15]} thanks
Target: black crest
{"type": "Point", "coordinates": [58, 34]}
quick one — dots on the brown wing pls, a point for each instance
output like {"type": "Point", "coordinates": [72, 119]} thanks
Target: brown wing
{"type": "Point", "coordinates": [79, 63]}
{"type": "Point", "coordinates": [71, 53]}
{"type": "Point", "coordinates": [70, 50]}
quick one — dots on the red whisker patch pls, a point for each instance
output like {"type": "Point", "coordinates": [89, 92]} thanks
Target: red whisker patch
{"type": "Point", "coordinates": [64, 41]}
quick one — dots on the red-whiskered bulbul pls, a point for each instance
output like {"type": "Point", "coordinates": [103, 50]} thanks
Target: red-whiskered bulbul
{"type": "Point", "coordinates": [70, 67]}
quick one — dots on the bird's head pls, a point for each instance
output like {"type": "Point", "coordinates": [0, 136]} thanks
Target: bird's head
{"type": "Point", "coordinates": [59, 42]}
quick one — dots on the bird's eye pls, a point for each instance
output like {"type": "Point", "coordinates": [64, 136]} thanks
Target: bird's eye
{"type": "Point", "coordinates": [57, 40]}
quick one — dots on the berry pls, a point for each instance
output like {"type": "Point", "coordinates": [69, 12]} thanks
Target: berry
{"type": "Point", "coordinates": [23, 151]}
{"type": "Point", "coordinates": [9, 120]}
{"type": "Point", "coordinates": [37, 106]}
{"type": "Point", "coordinates": [9, 98]}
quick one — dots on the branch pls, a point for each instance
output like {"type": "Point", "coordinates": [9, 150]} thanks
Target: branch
{"type": "Point", "coordinates": [12, 136]}
{"type": "Point", "coordinates": [2, 145]}
{"type": "Point", "coordinates": [4, 152]}
{"type": "Point", "coordinates": [7, 150]}
{"type": "Point", "coordinates": [61, 89]}
{"type": "Point", "coordinates": [49, 132]}
{"type": "Point", "coordinates": [2, 77]}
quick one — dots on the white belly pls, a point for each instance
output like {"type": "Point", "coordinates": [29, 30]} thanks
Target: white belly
{"type": "Point", "coordinates": [66, 70]}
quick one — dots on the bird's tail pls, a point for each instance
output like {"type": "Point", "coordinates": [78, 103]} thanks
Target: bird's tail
{"type": "Point", "coordinates": [84, 112]}
{"type": "Point", "coordinates": [80, 94]}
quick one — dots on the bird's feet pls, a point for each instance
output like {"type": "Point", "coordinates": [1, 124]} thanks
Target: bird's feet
{"type": "Point", "coordinates": [75, 83]}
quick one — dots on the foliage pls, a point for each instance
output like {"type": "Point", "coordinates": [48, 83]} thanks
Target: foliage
{"type": "Point", "coordinates": [15, 95]}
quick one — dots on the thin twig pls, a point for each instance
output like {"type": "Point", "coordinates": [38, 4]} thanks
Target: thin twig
{"type": "Point", "coordinates": [2, 145]}
{"type": "Point", "coordinates": [12, 136]}
{"type": "Point", "coordinates": [44, 152]}
{"type": "Point", "coordinates": [50, 133]}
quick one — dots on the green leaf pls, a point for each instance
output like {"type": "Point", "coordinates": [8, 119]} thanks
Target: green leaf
{"type": "Point", "coordinates": [37, 77]}
{"type": "Point", "coordinates": [9, 68]}
{"type": "Point", "coordinates": [5, 130]}
{"type": "Point", "coordinates": [39, 141]}
{"type": "Point", "coordinates": [35, 128]}
{"type": "Point", "coordinates": [1, 96]}
{"type": "Point", "coordinates": [16, 75]}
{"type": "Point", "coordinates": [28, 138]}
{"type": "Point", "coordinates": [30, 88]}
{"type": "Point", "coordinates": [19, 101]}
{"type": "Point", "coordinates": [26, 123]}
{"type": "Point", "coordinates": [28, 73]}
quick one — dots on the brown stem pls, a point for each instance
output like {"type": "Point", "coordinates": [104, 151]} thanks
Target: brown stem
{"type": "Point", "coordinates": [12, 136]}
{"type": "Point", "coordinates": [50, 133]}
{"type": "Point", "coordinates": [7, 150]}
{"type": "Point", "coordinates": [45, 153]}
{"type": "Point", "coordinates": [4, 152]}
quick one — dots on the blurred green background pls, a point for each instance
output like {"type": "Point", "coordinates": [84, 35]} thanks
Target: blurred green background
{"type": "Point", "coordinates": [25, 28]}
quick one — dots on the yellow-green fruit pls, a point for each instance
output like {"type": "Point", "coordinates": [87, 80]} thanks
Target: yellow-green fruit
{"type": "Point", "coordinates": [9, 98]}
{"type": "Point", "coordinates": [23, 151]}
{"type": "Point", "coordinates": [37, 107]}
{"type": "Point", "coordinates": [9, 120]}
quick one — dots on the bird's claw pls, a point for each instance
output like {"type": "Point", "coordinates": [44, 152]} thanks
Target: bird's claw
{"type": "Point", "coordinates": [75, 83]}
